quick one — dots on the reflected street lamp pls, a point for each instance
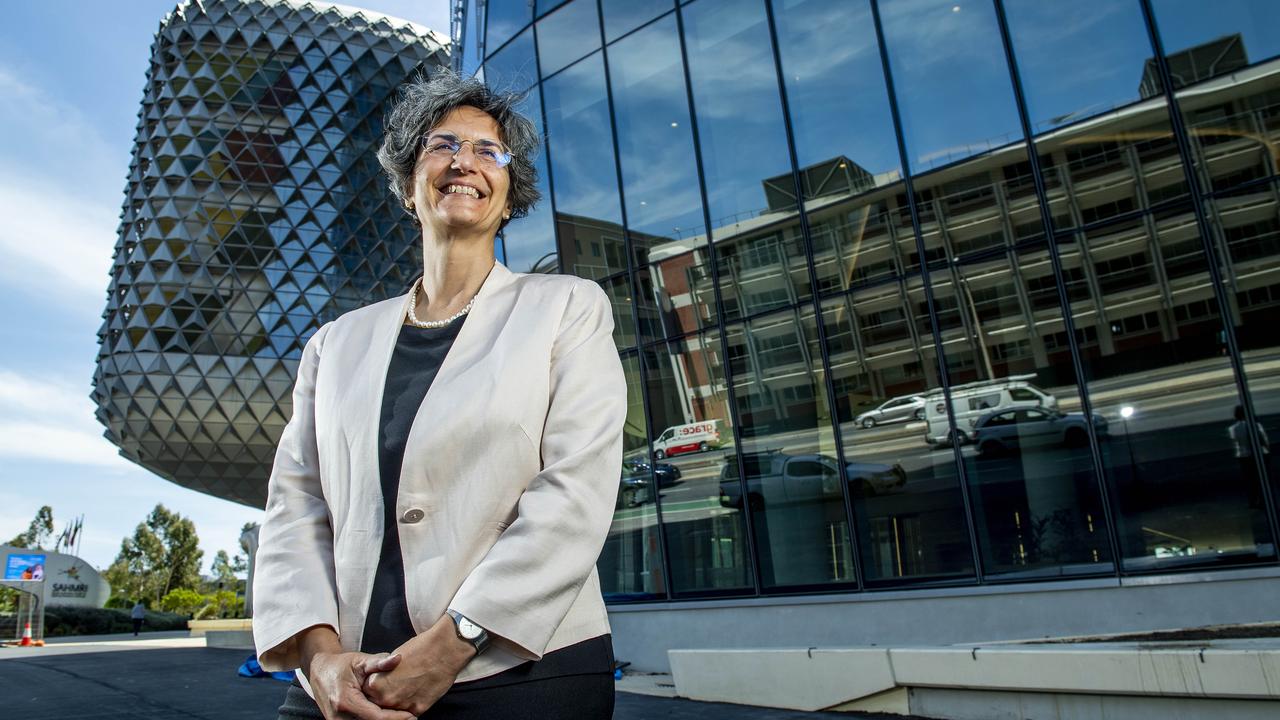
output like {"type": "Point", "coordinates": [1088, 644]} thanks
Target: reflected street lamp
{"type": "Point", "coordinates": [535, 267]}
{"type": "Point", "coordinates": [1126, 412]}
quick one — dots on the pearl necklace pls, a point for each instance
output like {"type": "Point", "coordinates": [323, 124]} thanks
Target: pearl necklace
{"type": "Point", "coordinates": [413, 317]}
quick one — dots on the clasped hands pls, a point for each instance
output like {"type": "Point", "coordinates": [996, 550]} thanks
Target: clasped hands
{"type": "Point", "coordinates": [397, 686]}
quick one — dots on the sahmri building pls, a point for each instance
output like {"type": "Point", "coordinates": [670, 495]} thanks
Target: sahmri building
{"type": "Point", "coordinates": [943, 321]}
{"type": "Point", "coordinates": [255, 211]}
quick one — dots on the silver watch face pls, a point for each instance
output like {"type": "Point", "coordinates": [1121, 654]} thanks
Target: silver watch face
{"type": "Point", "coordinates": [468, 629]}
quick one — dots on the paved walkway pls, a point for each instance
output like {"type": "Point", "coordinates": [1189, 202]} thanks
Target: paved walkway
{"type": "Point", "coordinates": [169, 679]}
{"type": "Point", "coordinates": [105, 643]}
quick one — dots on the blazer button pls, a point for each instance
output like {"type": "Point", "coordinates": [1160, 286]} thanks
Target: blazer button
{"type": "Point", "coordinates": [412, 515]}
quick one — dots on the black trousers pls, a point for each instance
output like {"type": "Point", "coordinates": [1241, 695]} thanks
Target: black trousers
{"type": "Point", "coordinates": [574, 683]}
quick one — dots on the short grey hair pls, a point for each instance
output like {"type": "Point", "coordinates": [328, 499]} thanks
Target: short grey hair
{"type": "Point", "coordinates": [424, 103]}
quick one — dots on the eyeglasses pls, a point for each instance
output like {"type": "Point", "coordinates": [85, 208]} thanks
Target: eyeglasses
{"type": "Point", "coordinates": [489, 152]}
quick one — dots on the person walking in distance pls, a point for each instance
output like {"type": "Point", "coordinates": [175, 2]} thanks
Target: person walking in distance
{"type": "Point", "coordinates": [138, 614]}
{"type": "Point", "coordinates": [1242, 443]}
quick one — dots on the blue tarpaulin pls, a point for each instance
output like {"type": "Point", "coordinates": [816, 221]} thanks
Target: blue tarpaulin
{"type": "Point", "coordinates": [251, 669]}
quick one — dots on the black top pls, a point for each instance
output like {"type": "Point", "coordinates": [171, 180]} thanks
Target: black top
{"type": "Point", "coordinates": [417, 358]}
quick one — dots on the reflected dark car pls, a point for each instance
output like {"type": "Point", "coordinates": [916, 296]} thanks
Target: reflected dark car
{"type": "Point", "coordinates": [633, 490]}
{"type": "Point", "coordinates": [1007, 431]}
{"type": "Point", "coordinates": [635, 485]}
{"type": "Point", "coordinates": [664, 473]}
{"type": "Point", "coordinates": [776, 478]}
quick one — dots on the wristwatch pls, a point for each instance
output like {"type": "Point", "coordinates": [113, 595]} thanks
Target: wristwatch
{"type": "Point", "coordinates": [469, 631]}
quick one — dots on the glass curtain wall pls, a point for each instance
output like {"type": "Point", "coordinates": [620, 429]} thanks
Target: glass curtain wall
{"type": "Point", "coordinates": [1225, 74]}
{"type": "Point", "coordinates": [866, 344]}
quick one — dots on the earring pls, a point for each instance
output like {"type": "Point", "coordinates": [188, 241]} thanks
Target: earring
{"type": "Point", "coordinates": [408, 205]}
{"type": "Point", "coordinates": [506, 215]}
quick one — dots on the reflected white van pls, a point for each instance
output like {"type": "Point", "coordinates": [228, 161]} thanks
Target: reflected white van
{"type": "Point", "coordinates": [691, 437]}
{"type": "Point", "coordinates": [971, 401]}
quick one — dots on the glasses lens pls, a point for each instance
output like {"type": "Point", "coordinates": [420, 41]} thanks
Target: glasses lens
{"type": "Point", "coordinates": [492, 153]}
{"type": "Point", "coordinates": [441, 145]}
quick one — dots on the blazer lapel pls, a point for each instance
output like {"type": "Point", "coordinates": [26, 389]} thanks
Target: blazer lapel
{"type": "Point", "coordinates": [368, 386]}
{"type": "Point", "coordinates": [482, 324]}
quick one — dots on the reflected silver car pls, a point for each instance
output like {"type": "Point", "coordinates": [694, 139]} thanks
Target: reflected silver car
{"type": "Point", "coordinates": [1005, 431]}
{"type": "Point", "coordinates": [899, 409]}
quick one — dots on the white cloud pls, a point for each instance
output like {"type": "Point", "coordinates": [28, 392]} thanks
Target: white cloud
{"type": "Point", "coordinates": [54, 242]}
{"type": "Point", "coordinates": [60, 195]}
{"type": "Point", "coordinates": [42, 419]}
{"type": "Point", "coordinates": [59, 144]}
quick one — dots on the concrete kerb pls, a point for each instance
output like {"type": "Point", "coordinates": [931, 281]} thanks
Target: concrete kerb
{"type": "Point", "coordinates": [797, 679]}
{"type": "Point", "coordinates": [879, 679]}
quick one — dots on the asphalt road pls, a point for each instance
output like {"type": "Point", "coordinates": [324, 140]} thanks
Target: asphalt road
{"type": "Point", "coordinates": [201, 684]}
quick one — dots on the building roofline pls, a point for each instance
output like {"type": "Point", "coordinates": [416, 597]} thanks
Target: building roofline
{"type": "Point", "coordinates": [347, 10]}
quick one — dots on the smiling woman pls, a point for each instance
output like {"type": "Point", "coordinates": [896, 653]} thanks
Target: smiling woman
{"type": "Point", "coordinates": [436, 550]}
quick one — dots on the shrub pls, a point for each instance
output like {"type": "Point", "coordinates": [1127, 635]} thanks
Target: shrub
{"type": "Point", "coordinates": [182, 601]}
{"type": "Point", "coordinates": [63, 620]}
{"type": "Point", "coordinates": [208, 612]}
{"type": "Point", "coordinates": [228, 605]}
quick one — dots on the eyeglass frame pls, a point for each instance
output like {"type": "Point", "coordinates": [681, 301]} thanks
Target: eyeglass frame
{"type": "Point", "coordinates": [502, 158]}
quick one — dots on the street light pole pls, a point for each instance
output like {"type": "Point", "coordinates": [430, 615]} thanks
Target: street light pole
{"type": "Point", "coordinates": [977, 328]}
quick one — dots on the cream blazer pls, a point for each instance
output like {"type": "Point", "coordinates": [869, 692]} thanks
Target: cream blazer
{"type": "Point", "coordinates": [507, 489]}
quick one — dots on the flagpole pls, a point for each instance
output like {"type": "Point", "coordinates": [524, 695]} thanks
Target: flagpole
{"type": "Point", "coordinates": [76, 535]}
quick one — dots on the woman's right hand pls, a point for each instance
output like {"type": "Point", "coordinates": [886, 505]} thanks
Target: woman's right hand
{"type": "Point", "coordinates": [337, 677]}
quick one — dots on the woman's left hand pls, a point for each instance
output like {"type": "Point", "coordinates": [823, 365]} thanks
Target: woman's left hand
{"type": "Point", "coordinates": [414, 676]}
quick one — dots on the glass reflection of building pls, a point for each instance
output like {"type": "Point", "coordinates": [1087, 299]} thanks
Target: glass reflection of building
{"type": "Point", "coordinates": [255, 211]}
{"type": "Point", "coordinates": [1055, 243]}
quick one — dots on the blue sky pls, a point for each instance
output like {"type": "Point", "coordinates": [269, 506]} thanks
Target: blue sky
{"type": "Point", "coordinates": [71, 77]}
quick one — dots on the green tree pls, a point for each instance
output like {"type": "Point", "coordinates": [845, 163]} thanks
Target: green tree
{"type": "Point", "coordinates": [227, 569]}
{"type": "Point", "coordinates": [39, 532]}
{"type": "Point", "coordinates": [162, 555]}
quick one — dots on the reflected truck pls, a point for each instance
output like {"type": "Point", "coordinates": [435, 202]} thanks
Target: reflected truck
{"type": "Point", "coordinates": [971, 401]}
{"type": "Point", "coordinates": [778, 479]}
